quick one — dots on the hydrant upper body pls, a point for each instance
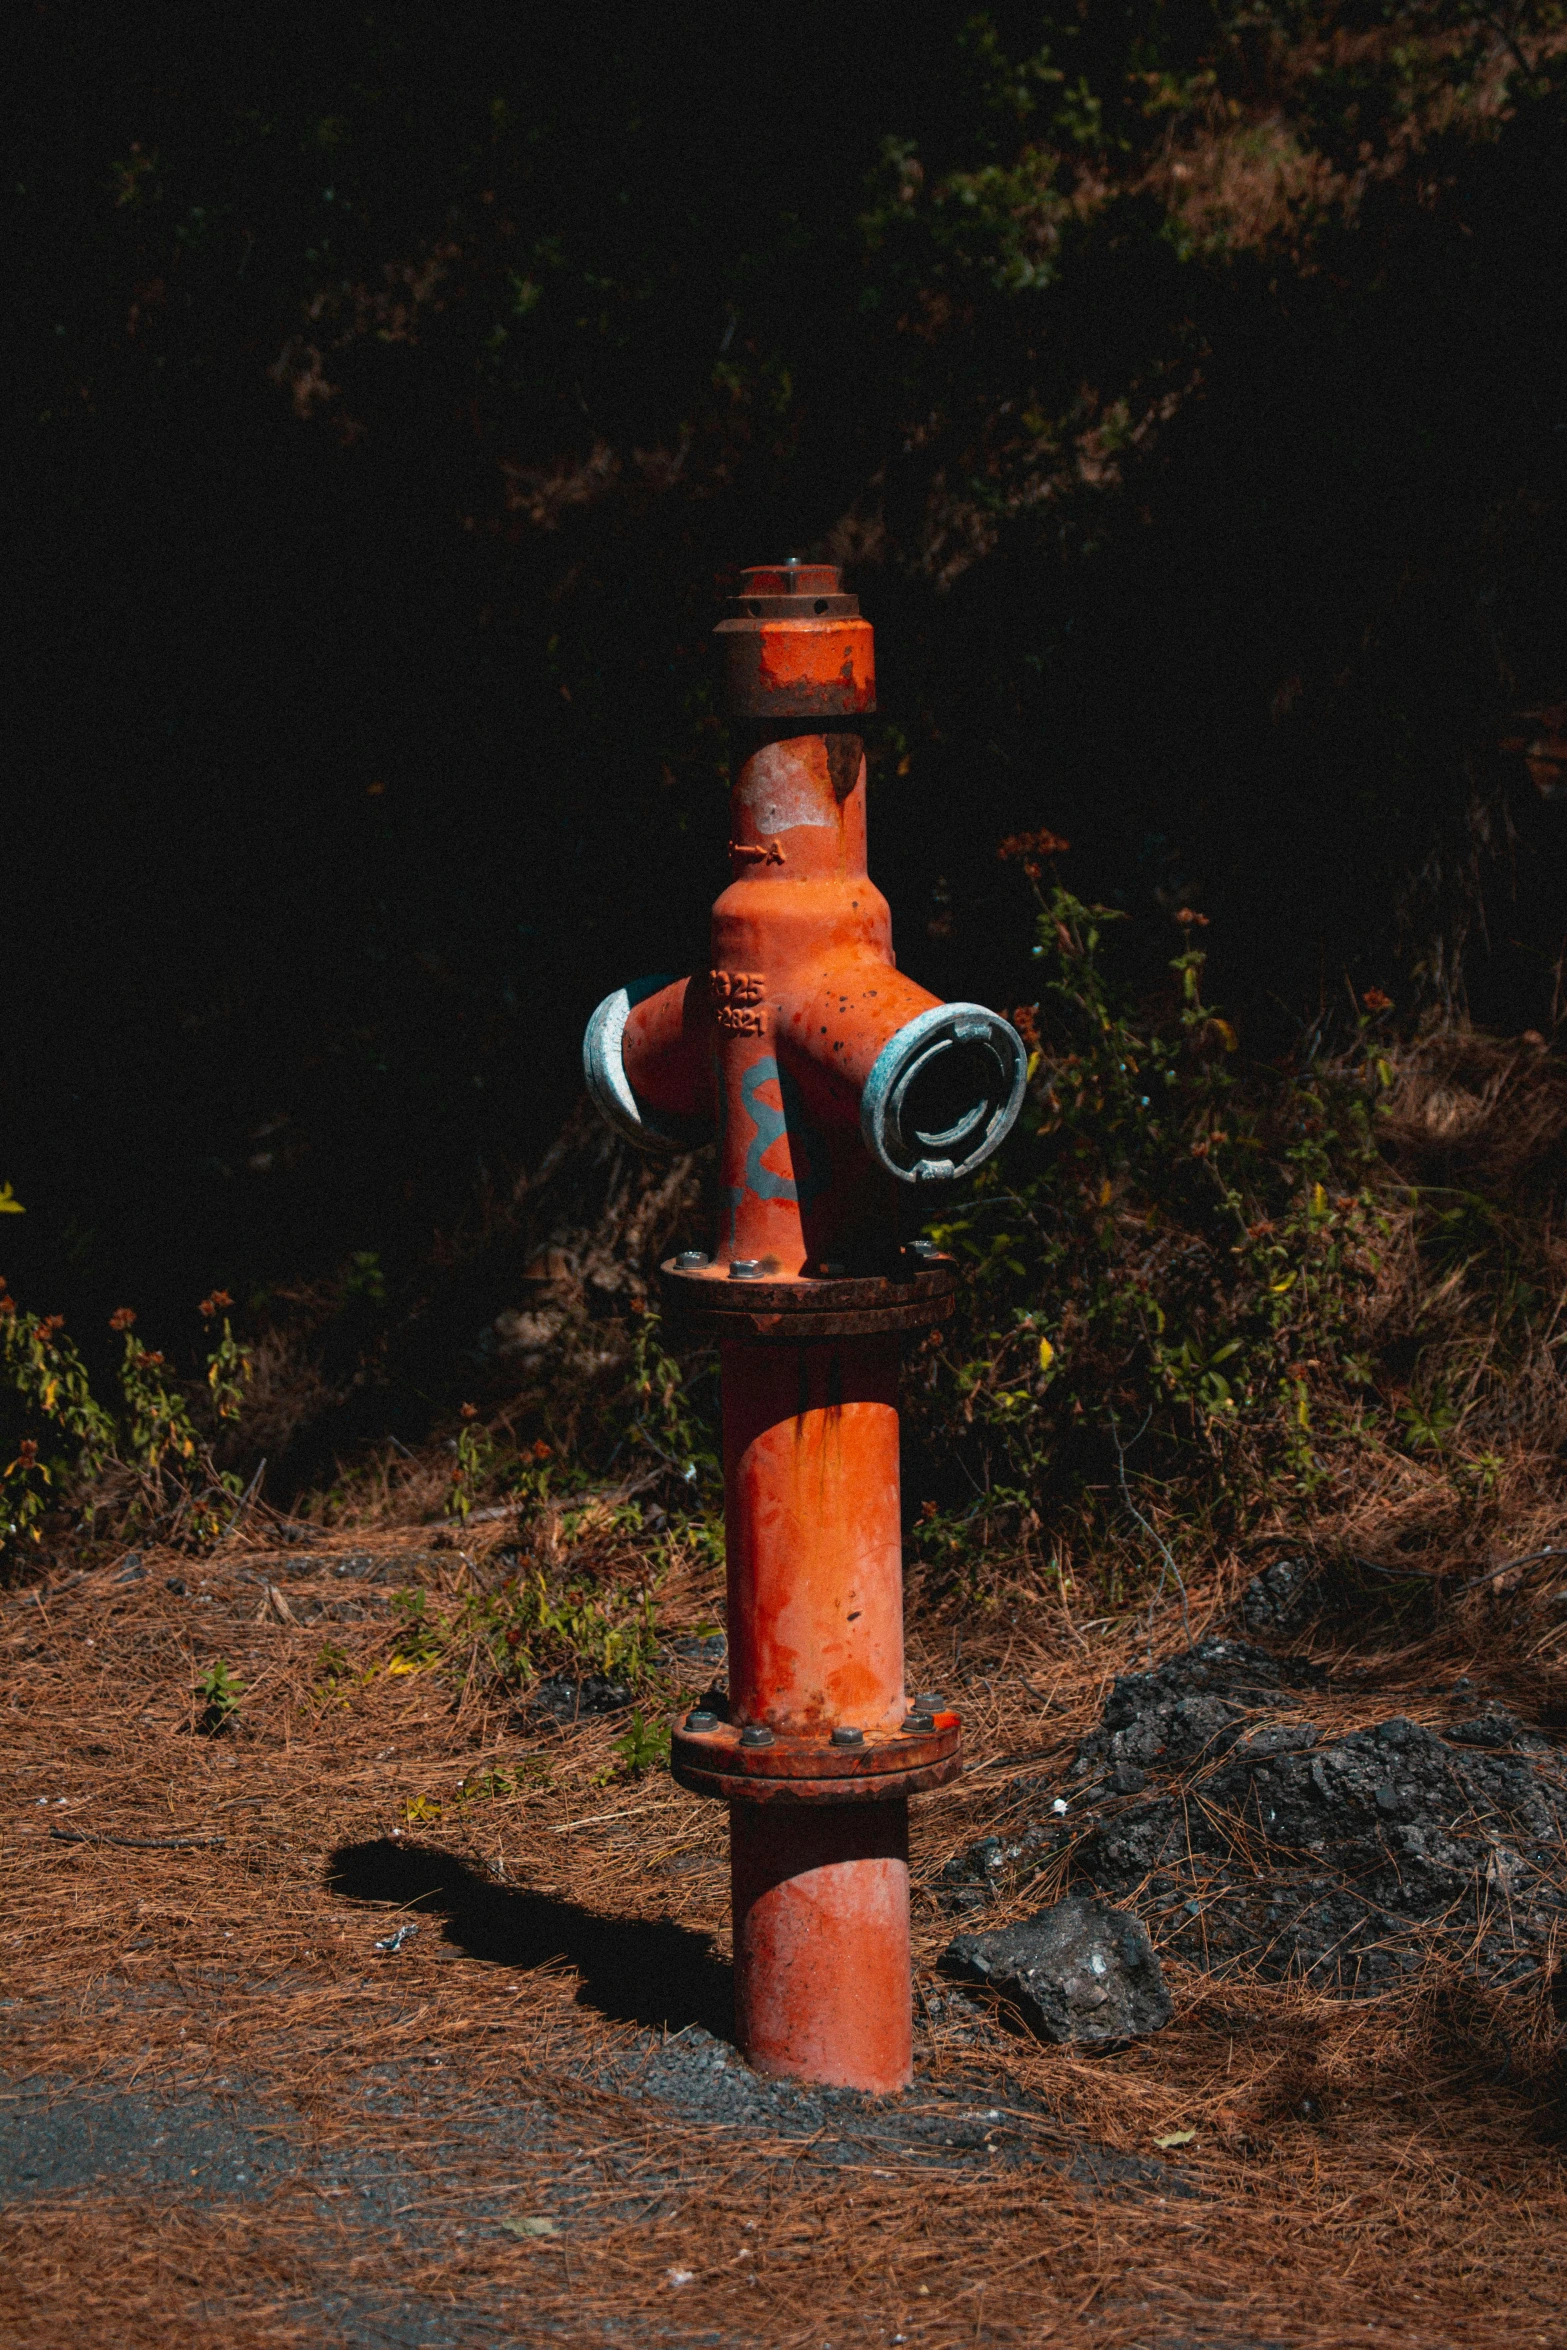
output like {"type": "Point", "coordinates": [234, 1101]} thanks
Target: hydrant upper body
{"type": "Point", "coordinates": [838, 1090]}
{"type": "Point", "coordinates": [833, 1080]}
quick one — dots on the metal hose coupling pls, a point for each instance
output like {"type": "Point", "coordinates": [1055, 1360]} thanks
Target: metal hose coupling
{"type": "Point", "coordinates": [604, 1067]}
{"type": "Point", "coordinates": [943, 1093]}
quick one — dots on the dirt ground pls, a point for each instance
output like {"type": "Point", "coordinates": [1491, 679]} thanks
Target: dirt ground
{"type": "Point", "coordinates": [227, 2111]}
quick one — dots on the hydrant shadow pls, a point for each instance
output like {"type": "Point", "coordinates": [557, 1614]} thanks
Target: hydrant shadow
{"type": "Point", "coordinates": [634, 1970]}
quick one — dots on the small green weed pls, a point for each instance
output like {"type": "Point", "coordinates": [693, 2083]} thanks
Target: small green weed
{"type": "Point", "coordinates": [331, 1670]}
{"type": "Point", "coordinates": [364, 1279]}
{"type": "Point", "coordinates": [644, 1747]}
{"type": "Point", "coordinates": [598, 1520]}
{"type": "Point", "coordinates": [221, 1694]}
{"type": "Point", "coordinates": [528, 1628]}
{"type": "Point", "coordinates": [674, 1410]}
{"type": "Point", "coordinates": [475, 1457]}
{"type": "Point", "coordinates": [421, 1640]}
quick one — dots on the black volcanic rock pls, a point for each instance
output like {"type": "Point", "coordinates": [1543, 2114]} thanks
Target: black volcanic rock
{"type": "Point", "coordinates": [1344, 1863]}
{"type": "Point", "coordinates": [1206, 1798]}
{"type": "Point", "coordinates": [1079, 1971]}
{"type": "Point", "coordinates": [1193, 1705]}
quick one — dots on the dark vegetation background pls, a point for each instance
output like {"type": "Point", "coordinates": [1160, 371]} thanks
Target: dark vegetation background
{"type": "Point", "coordinates": [1181, 386]}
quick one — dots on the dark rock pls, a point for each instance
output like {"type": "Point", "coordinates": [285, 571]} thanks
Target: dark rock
{"type": "Point", "coordinates": [1491, 1728]}
{"type": "Point", "coordinates": [1347, 1862]}
{"type": "Point", "coordinates": [368, 1566]}
{"type": "Point", "coordinates": [1079, 1971]}
{"type": "Point", "coordinates": [1195, 1704]}
{"type": "Point", "coordinates": [1342, 1864]}
{"type": "Point", "coordinates": [565, 1701]}
{"type": "Point", "coordinates": [704, 1648]}
{"type": "Point", "coordinates": [1282, 1600]}
{"type": "Point", "coordinates": [997, 1864]}
{"type": "Point", "coordinates": [1292, 1594]}
{"type": "Point", "coordinates": [1279, 1738]}
{"type": "Point", "coordinates": [1098, 2166]}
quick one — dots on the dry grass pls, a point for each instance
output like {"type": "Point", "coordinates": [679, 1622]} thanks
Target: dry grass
{"type": "Point", "coordinates": [1423, 2206]}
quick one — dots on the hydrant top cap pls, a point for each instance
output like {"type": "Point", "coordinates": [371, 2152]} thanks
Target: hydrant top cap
{"type": "Point", "coordinates": [790, 578]}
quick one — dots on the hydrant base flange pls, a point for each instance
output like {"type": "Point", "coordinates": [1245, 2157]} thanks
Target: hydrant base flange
{"type": "Point", "coordinates": [707, 1304]}
{"type": "Point", "coordinates": [892, 1786]}
{"type": "Point", "coordinates": [888, 1766]}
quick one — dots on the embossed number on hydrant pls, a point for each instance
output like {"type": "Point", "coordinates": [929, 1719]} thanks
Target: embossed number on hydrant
{"type": "Point", "coordinates": [737, 1001]}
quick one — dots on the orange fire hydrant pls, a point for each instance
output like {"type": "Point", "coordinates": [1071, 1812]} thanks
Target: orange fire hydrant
{"type": "Point", "coordinates": [839, 1090]}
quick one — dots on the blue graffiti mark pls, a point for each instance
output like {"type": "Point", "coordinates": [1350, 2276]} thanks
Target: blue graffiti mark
{"type": "Point", "coordinates": [770, 1126]}
{"type": "Point", "coordinates": [790, 1122]}
{"type": "Point", "coordinates": [807, 1145]}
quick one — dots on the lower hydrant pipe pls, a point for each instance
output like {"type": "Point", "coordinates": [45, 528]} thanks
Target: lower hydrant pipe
{"type": "Point", "coordinates": [822, 1958]}
{"type": "Point", "coordinates": [821, 1892]}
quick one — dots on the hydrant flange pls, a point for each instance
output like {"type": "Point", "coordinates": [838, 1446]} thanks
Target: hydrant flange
{"type": "Point", "coordinates": [883, 1767]}
{"type": "Point", "coordinates": [706, 1303]}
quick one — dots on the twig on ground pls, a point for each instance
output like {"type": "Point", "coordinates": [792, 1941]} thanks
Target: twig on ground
{"type": "Point", "coordinates": [138, 1843]}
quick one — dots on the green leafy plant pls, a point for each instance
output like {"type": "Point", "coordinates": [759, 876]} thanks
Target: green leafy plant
{"type": "Point", "coordinates": [420, 1640]}
{"type": "Point", "coordinates": [643, 1747]}
{"type": "Point", "coordinates": [673, 1407]}
{"type": "Point", "coordinates": [1163, 1261]}
{"type": "Point", "coordinates": [228, 1363]}
{"type": "Point", "coordinates": [331, 1670]}
{"type": "Point", "coordinates": [146, 1456]}
{"type": "Point", "coordinates": [221, 1694]}
{"type": "Point", "coordinates": [365, 1279]}
{"type": "Point", "coordinates": [530, 1626]}
{"type": "Point", "coordinates": [600, 1520]}
{"type": "Point", "coordinates": [475, 1455]}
